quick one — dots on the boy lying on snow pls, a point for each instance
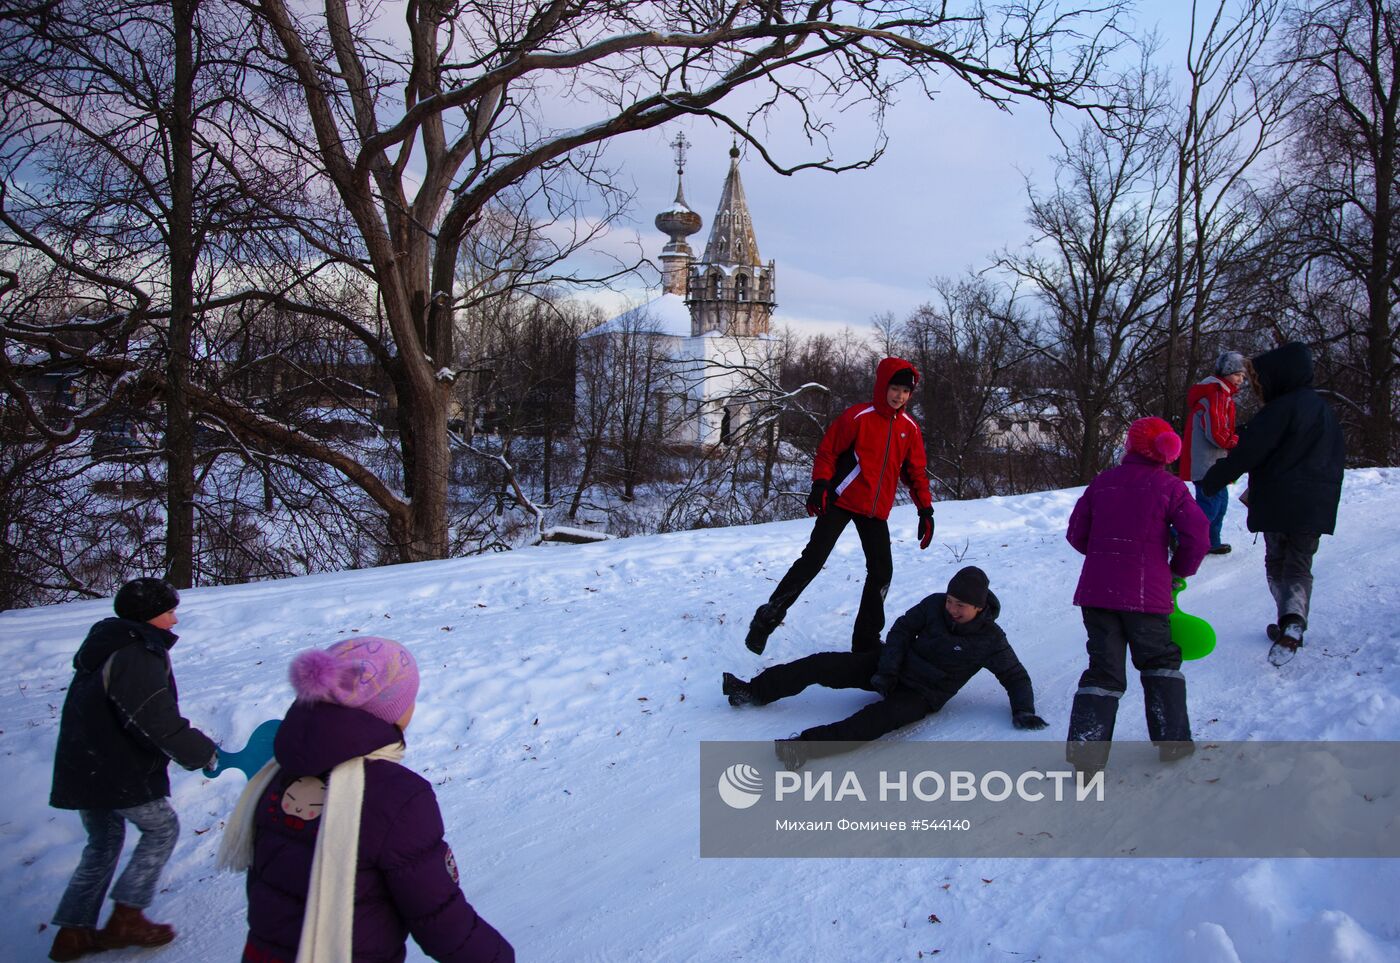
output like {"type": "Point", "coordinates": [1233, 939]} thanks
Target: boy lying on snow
{"type": "Point", "coordinates": [930, 653]}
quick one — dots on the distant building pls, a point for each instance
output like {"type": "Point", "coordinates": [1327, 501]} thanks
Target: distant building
{"type": "Point", "coordinates": [1022, 425]}
{"type": "Point", "coordinates": [712, 318]}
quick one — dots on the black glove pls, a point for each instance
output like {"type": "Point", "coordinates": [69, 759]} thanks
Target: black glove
{"type": "Point", "coordinates": [819, 499]}
{"type": "Point", "coordinates": [1027, 720]}
{"type": "Point", "coordinates": [925, 527]}
{"type": "Point", "coordinates": [883, 683]}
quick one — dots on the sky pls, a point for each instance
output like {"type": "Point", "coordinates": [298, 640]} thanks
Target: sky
{"type": "Point", "coordinates": [567, 690]}
{"type": "Point", "coordinates": [949, 192]}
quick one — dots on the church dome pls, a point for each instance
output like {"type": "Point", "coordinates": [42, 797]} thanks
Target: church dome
{"type": "Point", "coordinates": [678, 221]}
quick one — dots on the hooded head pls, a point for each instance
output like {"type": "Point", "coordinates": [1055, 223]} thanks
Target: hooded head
{"type": "Point", "coordinates": [1154, 439]}
{"type": "Point", "coordinates": [375, 675]}
{"type": "Point", "coordinates": [1282, 370]}
{"type": "Point", "coordinates": [892, 371]}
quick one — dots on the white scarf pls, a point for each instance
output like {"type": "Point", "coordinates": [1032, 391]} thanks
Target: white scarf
{"type": "Point", "coordinates": [327, 928]}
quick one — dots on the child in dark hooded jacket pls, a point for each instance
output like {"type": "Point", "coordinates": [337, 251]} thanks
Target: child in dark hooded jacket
{"type": "Point", "coordinates": [1294, 454]}
{"type": "Point", "coordinates": [344, 846]}
{"type": "Point", "coordinates": [120, 728]}
{"type": "Point", "coordinates": [931, 652]}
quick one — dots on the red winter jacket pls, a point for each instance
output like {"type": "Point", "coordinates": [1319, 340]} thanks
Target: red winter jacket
{"type": "Point", "coordinates": [1210, 404]}
{"type": "Point", "coordinates": [869, 447]}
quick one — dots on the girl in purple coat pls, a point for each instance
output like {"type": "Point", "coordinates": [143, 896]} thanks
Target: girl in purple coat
{"type": "Point", "coordinates": [1122, 525]}
{"type": "Point", "coordinates": [343, 845]}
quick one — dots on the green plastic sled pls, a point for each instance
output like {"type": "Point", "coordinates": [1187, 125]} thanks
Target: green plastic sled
{"type": "Point", "coordinates": [1192, 634]}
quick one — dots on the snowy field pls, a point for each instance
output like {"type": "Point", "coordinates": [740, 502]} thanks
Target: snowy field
{"type": "Point", "coordinates": [566, 689]}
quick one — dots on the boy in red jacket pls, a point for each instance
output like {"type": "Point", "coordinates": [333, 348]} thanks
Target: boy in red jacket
{"type": "Point", "coordinates": [1210, 433]}
{"type": "Point", "coordinates": [854, 476]}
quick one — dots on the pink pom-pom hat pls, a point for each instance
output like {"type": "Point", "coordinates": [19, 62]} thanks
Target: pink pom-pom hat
{"type": "Point", "coordinates": [369, 673]}
{"type": "Point", "coordinates": [1153, 438]}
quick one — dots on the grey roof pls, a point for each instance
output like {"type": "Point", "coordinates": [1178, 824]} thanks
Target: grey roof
{"type": "Point", "coordinates": [732, 239]}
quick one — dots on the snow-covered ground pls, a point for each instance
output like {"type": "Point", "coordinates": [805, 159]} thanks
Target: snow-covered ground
{"type": "Point", "coordinates": [566, 690]}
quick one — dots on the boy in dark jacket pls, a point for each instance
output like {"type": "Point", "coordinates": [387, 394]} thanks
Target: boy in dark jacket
{"type": "Point", "coordinates": [931, 652]}
{"type": "Point", "coordinates": [121, 726]}
{"type": "Point", "coordinates": [1121, 525]}
{"type": "Point", "coordinates": [854, 475]}
{"type": "Point", "coordinates": [344, 847]}
{"type": "Point", "coordinates": [1294, 453]}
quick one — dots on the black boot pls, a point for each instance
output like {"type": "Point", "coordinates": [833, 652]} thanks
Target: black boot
{"type": "Point", "coordinates": [740, 693]}
{"type": "Point", "coordinates": [792, 753]}
{"type": "Point", "coordinates": [1168, 724]}
{"type": "Point", "coordinates": [1091, 719]}
{"type": "Point", "coordinates": [767, 618]}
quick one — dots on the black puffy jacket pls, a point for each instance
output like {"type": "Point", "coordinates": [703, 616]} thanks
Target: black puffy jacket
{"type": "Point", "coordinates": [1292, 449]}
{"type": "Point", "coordinates": [121, 722]}
{"type": "Point", "coordinates": [930, 653]}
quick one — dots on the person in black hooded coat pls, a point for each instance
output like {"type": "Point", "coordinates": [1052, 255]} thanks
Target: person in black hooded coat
{"type": "Point", "coordinates": [1294, 454]}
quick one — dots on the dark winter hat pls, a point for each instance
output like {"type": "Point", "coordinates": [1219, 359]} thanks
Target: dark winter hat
{"type": "Point", "coordinates": [142, 599]}
{"type": "Point", "coordinates": [1229, 362]}
{"type": "Point", "coordinates": [969, 585]}
{"type": "Point", "coordinates": [1153, 438]}
{"type": "Point", "coordinates": [375, 675]}
{"type": "Point", "coordinates": [904, 378]}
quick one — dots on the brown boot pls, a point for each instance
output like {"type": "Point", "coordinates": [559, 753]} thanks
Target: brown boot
{"type": "Point", "coordinates": [72, 942]}
{"type": "Point", "coordinates": [128, 926]}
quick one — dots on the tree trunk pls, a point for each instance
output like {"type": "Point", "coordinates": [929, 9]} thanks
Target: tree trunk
{"type": "Point", "coordinates": [426, 477]}
{"type": "Point", "coordinates": [1376, 433]}
{"type": "Point", "coordinates": [770, 456]}
{"type": "Point", "coordinates": [548, 458]}
{"type": "Point", "coordinates": [179, 424]}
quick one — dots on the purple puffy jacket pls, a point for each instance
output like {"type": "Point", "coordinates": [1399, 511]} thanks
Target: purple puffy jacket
{"type": "Point", "coordinates": [1120, 525]}
{"type": "Point", "coordinates": [406, 880]}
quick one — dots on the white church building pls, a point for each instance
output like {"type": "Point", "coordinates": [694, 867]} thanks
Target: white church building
{"type": "Point", "coordinates": [711, 320]}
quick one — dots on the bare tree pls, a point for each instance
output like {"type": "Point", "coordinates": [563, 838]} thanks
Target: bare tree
{"type": "Point", "coordinates": [1096, 265]}
{"type": "Point", "coordinates": [114, 112]}
{"type": "Point", "coordinates": [490, 105]}
{"type": "Point", "coordinates": [967, 347]}
{"type": "Point", "coordinates": [1233, 116]}
{"type": "Point", "coordinates": [1346, 152]}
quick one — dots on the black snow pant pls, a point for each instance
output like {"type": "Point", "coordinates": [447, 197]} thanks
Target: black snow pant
{"type": "Point", "coordinates": [1112, 635]}
{"type": "Point", "coordinates": [1288, 558]}
{"type": "Point", "coordinates": [843, 670]}
{"type": "Point", "coordinates": [879, 569]}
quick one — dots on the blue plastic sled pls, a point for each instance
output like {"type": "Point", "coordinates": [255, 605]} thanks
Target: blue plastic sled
{"type": "Point", "coordinates": [1192, 634]}
{"type": "Point", "coordinates": [251, 757]}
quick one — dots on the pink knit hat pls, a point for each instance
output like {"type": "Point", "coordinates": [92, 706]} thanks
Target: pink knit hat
{"type": "Point", "coordinates": [1153, 438]}
{"type": "Point", "coordinates": [375, 675]}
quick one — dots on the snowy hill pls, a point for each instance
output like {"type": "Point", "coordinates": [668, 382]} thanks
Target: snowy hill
{"type": "Point", "coordinates": [566, 689]}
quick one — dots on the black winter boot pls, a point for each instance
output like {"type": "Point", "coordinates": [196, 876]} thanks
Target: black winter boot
{"type": "Point", "coordinates": [1091, 720]}
{"type": "Point", "coordinates": [1168, 724]}
{"type": "Point", "coordinates": [765, 619]}
{"type": "Point", "coordinates": [792, 753]}
{"type": "Point", "coordinates": [738, 691]}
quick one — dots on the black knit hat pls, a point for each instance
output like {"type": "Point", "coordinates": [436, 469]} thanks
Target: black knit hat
{"type": "Point", "coordinates": [142, 599]}
{"type": "Point", "coordinates": [969, 585]}
{"type": "Point", "coordinates": [904, 378]}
